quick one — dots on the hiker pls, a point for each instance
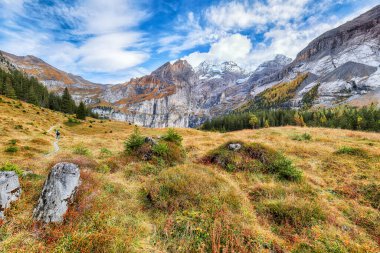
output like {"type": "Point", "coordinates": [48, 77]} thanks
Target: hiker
{"type": "Point", "coordinates": [57, 134]}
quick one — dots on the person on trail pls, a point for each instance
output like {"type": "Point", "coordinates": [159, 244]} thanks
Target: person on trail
{"type": "Point", "coordinates": [57, 134]}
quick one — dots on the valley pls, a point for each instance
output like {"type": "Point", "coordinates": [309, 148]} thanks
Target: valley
{"type": "Point", "coordinates": [334, 205]}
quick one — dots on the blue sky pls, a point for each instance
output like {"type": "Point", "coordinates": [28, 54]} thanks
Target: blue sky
{"type": "Point", "coordinates": [111, 41]}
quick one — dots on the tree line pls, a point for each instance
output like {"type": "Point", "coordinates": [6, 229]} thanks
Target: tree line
{"type": "Point", "coordinates": [16, 85]}
{"type": "Point", "coordinates": [345, 117]}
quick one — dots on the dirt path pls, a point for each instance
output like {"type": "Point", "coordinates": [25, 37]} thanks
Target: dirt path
{"type": "Point", "coordinates": [55, 144]}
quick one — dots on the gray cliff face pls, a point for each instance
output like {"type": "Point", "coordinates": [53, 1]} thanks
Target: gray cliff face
{"type": "Point", "coordinates": [176, 95]}
{"type": "Point", "coordinates": [346, 61]}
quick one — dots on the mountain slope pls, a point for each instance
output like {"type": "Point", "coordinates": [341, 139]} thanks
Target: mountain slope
{"type": "Point", "coordinates": [53, 78]}
{"type": "Point", "coordinates": [344, 63]}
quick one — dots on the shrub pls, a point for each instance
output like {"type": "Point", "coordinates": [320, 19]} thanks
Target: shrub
{"type": "Point", "coordinates": [161, 149]}
{"type": "Point", "coordinates": [81, 150]}
{"type": "Point", "coordinates": [302, 137]}
{"type": "Point", "coordinates": [172, 136]}
{"type": "Point", "coordinates": [11, 149]}
{"type": "Point", "coordinates": [72, 122]}
{"type": "Point", "coordinates": [134, 141]}
{"type": "Point", "coordinates": [253, 157]}
{"type": "Point", "coordinates": [104, 152]}
{"type": "Point", "coordinates": [12, 142]}
{"type": "Point", "coordinates": [11, 167]}
{"type": "Point", "coordinates": [351, 151]}
{"type": "Point", "coordinates": [103, 168]}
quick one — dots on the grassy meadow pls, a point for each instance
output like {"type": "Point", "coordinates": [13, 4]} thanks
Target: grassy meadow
{"type": "Point", "coordinates": [220, 204]}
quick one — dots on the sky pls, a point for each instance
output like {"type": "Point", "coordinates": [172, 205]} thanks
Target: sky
{"type": "Point", "coordinates": [111, 41]}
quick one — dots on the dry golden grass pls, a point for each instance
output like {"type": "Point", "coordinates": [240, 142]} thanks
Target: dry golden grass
{"type": "Point", "coordinates": [330, 210]}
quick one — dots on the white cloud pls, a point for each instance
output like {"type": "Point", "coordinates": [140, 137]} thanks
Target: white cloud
{"type": "Point", "coordinates": [106, 29]}
{"type": "Point", "coordinates": [240, 15]}
{"type": "Point", "coordinates": [233, 48]}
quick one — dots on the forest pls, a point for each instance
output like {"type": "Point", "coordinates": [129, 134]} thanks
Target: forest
{"type": "Point", "coordinates": [16, 85]}
{"type": "Point", "coordinates": [345, 117]}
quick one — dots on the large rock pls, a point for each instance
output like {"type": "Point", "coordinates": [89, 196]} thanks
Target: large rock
{"type": "Point", "coordinates": [58, 192]}
{"type": "Point", "coordinates": [10, 190]}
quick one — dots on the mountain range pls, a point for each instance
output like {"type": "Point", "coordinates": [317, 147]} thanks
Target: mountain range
{"type": "Point", "coordinates": [342, 66]}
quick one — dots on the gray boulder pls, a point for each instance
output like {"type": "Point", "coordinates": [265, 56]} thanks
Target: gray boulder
{"type": "Point", "coordinates": [150, 141]}
{"type": "Point", "coordinates": [234, 146]}
{"type": "Point", "coordinates": [58, 192]}
{"type": "Point", "coordinates": [10, 190]}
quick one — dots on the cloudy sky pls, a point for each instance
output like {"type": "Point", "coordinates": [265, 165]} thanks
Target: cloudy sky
{"type": "Point", "coordinates": [110, 41]}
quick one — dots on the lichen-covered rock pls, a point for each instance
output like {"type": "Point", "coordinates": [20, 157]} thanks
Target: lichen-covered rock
{"type": "Point", "coordinates": [10, 190]}
{"type": "Point", "coordinates": [58, 192]}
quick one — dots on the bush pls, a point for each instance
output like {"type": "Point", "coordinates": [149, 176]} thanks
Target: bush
{"type": "Point", "coordinates": [351, 151]}
{"type": "Point", "coordinates": [81, 150]}
{"type": "Point", "coordinates": [253, 157]}
{"type": "Point", "coordinates": [134, 141]}
{"type": "Point", "coordinates": [167, 151]}
{"type": "Point", "coordinates": [12, 142]}
{"type": "Point", "coordinates": [11, 167]}
{"type": "Point", "coordinates": [11, 149]}
{"type": "Point", "coordinates": [172, 136]}
{"type": "Point", "coordinates": [161, 149]}
{"type": "Point", "coordinates": [103, 168]}
{"type": "Point", "coordinates": [104, 153]}
{"type": "Point", "coordinates": [302, 137]}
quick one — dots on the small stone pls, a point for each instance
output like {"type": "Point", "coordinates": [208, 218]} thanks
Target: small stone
{"type": "Point", "coordinates": [234, 146]}
{"type": "Point", "coordinates": [58, 192]}
{"type": "Point", "coordinates": [10, 190]}
{"type": "Point", "coordinates": [150, 140]}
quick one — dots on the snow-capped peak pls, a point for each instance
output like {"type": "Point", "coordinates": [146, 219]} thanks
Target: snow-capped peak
{"type": "Point", "coordinates": [213, 70]}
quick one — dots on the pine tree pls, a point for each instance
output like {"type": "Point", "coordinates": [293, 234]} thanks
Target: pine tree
{"type": "Point", "coordinates": [67, 102]}
{"type": "Point", "coordinates": [9, 91]}
{"type": "Point", "coordinates": [81, 111]}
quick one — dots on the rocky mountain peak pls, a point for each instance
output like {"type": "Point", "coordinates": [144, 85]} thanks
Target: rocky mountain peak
{"type": "Point", "coordinates": [215, 70]}
{"type": "Point", "coordinates": [362, 28]}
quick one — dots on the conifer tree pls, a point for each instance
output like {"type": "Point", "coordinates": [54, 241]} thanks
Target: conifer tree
{"type": "Point", "coordinates": [81, 111]}
{"type": "Point", "coordinates": [67, 102]}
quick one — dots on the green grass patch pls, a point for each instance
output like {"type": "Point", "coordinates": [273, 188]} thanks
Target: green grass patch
{"type": "Point", "coordinates": [302, 137]}
{"type": "Point", "coordinates": [81, 150]}
{"type": "Point", "coordinates": [8, 166]}
{"type": "Point", "coordinates": [351, 151]}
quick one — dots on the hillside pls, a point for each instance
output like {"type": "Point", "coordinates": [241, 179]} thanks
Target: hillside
{"type": "Point", "coordinates": [201, 205]}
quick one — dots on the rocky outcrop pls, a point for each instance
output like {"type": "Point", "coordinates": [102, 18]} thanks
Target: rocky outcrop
{"type": "Point", "coordinates": [58, 192]}
{"type": "Point", "coordinates": [10, 190]}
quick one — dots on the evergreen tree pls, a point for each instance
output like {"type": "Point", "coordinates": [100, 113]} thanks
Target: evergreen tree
{"type": "Point", "coordinates": [67, 102]}
{"type": "Point", "coordinates": [9, 91]}
{"type": "Point", "coordinates": [81, 111]}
